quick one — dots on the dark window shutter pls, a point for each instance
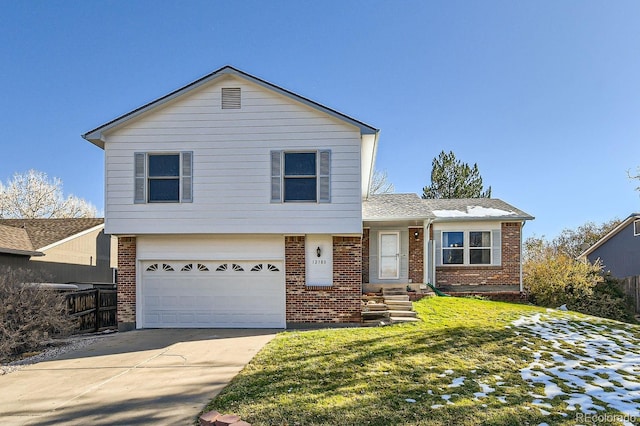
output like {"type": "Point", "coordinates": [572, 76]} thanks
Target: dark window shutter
{"type": "Point", "coordinates": [276, 176]}
{"type": "Point", "coordinates": [324, 176]}
{"type": "Point", "coordinates": [496, 247]}
{"type": "Point", "coordinates": [139, 177]}
{"type": "Point", "coordinates": [187, 177]}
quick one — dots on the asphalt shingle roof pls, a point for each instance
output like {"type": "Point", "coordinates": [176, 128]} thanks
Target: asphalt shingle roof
{"type": "Point", "coordinates": [410, 206]}
{"type": "Point", "coordinates": [14, 240]}
{"type": "Point", "coordinates": [43, 232]}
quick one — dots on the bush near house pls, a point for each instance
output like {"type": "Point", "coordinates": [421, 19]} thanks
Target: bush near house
{"type": "Point", "coordinates": [553, 278]}
{"type": "Point", "coordinates": [28, 314]}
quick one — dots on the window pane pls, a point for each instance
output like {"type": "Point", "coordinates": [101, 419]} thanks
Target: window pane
{"type": "Point", "coordinates": [452, 256]}
{"type": "Point", "coordinates": [480, 256]}
{"type": "Point", "coordinates": [300, 164]}
{"type": "Point", "coordinates": [636, 229]}
{"type": "Point", "coordinates": [453, 239]}
{"type": "Point", "coordinates": [164, 189]}
{"type": "Point", "coordinates": [164, 165]}
{"type": "Point", "coordinates": [300, 189]}
{"type": "Point", "coordinates": [479, 239]}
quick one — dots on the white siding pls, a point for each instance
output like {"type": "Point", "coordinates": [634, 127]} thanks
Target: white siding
{"type": "Point", "coordinates": [231, 165]}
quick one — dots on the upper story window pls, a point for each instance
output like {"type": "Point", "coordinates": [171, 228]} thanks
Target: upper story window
{"type": "Point", "coordinates": [163, 177]}
{"type": "Point", "coordinates": [301, 176]}
{"type": "Point", "coordinates": [636, 227]}
{"type": "Point", "coordinates": [469, 247]}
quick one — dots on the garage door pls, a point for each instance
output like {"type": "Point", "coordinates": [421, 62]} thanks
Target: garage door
{"type": "Point", "coordinates": [225, 294]}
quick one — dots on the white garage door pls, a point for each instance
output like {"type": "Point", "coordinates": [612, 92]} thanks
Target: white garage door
{"type": "Point", "coordinates": [225, 294]}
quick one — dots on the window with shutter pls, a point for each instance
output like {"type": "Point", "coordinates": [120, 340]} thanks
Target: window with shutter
{"type": "Point", "coordinates": [301, 176]}
{"type": "Point", "coordinates": [163, 177]}
{"type": "Point", "coordinates": [468, 248]}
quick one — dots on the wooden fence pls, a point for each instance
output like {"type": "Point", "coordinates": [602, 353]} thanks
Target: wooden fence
{"type": "Point", "coordinates": [631, 287]}
{"type": "Point", "coordinates": [95, 309]}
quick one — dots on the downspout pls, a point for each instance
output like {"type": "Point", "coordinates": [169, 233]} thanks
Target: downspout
{"type": "Point", "coordinates": [427, 241]}
{"type": "Point", "coordinates": [521, 258]}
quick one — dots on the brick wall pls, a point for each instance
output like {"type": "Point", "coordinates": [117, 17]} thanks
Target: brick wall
{"type": "Point", "coordinates": [416, 255]}
{"type": "Point", "coordinates": [126, 283]}
{"type": "Point", "coordinates": [365, 255]}
{"type": "Point", "coordinates": [506, 274]}
{"type": "Point", "coordinates": [339, 303]}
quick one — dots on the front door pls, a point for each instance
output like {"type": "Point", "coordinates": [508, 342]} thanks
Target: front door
{"type": "Point", "coordinates": [389, 256]}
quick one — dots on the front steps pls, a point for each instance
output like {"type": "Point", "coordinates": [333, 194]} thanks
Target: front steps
{"type": "Point", "coordinates": [392, 307]}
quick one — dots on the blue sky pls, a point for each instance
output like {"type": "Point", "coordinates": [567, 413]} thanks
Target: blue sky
{"type": "Point", "coordinates": [543, 95]}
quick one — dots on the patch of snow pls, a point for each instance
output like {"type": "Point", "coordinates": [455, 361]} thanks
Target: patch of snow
{"type": "Point", "coordinates": [457, 382]}
{"type": "Point", "coordinates": [502, 399]}
{"type": "Point", "coordinates": [448, 371]}
{"type": "Point", "coordinates": [563, 308]}
{"type": "Point", "coordinates": [436, 406]}
{"type": "Point", "coordinates": [578, 350]}
{"type": "Point", "coordinates": [474, 211]}
{"type": "Point", "coordinates": [410, 400]}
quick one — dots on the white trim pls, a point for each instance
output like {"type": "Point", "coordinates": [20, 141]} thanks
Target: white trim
{"type": "Point", "coordinates": [636, 229]}
{"type": "Point", "coordinates": [72, 237]}
{"type": "Point", "coordinates": [397, 235]}
{"type": "Point", "coordinates": [610, 234]}
{"type": "Point", "coordinates": [466, 248]}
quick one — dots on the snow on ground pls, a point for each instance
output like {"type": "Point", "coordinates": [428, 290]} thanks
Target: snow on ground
{"type": "Point", "coordinates": [590, 366]}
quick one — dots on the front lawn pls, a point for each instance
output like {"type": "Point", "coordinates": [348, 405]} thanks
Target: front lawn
{"type": "Point", "coordinates": [469, 362]}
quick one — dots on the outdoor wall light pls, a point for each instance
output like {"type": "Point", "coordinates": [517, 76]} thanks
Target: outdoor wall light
{"type": "Point", "coordinates": [319, 251]}
{"type": "Point", "coordinates": [416, 234]}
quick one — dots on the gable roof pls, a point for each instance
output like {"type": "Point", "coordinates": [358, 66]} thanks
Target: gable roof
{"type": "Point", "coordinates": [43, 233]}
{"type": "Point", "coordinates": [622, 225]}
{"type": "Point", "coordinates": [16, 241]}
{"type": "Point", "coordinates": [382, 207]}
{"type": "Point", "coordinates": [96, 136]}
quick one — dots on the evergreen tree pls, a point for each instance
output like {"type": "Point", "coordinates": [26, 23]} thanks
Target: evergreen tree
{"type": "Point", "coordinates": [451, 178]}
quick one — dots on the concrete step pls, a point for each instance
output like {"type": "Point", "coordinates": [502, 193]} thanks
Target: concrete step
{"type": "Point", "coordinates": [410, 314]}
{"type": "Point", "coordinates": [399, 305]}
{"type": "Point", "coordinates": [403, 319]}
{"type": "Point", "coordinates": [397, 297]}
{"type": "Point", "coordinates": [394, 291]}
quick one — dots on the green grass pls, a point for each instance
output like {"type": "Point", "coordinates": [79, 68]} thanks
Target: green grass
{"type": "Point", "coordinates": [364, 376]}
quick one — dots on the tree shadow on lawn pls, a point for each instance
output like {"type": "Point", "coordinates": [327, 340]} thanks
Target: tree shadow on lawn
{"type": "Point", "coordinates": [367, 376]}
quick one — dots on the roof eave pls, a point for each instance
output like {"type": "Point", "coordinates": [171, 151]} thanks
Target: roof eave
{"type": "Point", "coordinates": [21, 252]}
{"type": "Point", "coordinates": [484, 219]}
{"type": "Point", "coordinates": [632, 217]}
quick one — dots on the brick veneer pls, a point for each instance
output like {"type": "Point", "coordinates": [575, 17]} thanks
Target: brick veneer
{"type": "Point", "coordinates": [416, 255]}
{"type": "Point", "coordinates": [365, 255]}
{"type": "Point", "coordinates": [339, 303]}
{"type": "Point", "coordinates": [506, 274]}
{"type": "Point", "coordinates": [126, 283]}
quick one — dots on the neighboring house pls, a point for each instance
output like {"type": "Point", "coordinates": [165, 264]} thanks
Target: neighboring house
{"type": "Point", "coordinates": [619, 250]}
{"type": "Point", "coordinates": [238, 203]}
{"type": "Point", "coordinates": [58, 250]}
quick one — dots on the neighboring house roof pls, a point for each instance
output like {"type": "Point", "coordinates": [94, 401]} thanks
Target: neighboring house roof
{"type": "Point", "coordinates": [16, 241]}
{"type": "Point", "coordinates": [632, 217]}
{"type": "Point", "coordinates": [96, 135]}
{"type": "Point", "coordinates": [411, 206]}
{"type": "Point", "coordinates": [44, 233]}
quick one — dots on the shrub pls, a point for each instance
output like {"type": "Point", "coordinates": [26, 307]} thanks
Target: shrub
{"type": "Point", "coordinates": [28, 313]}
{"type": "Point", "coordinates": [608, 301]}
{"type": "Point", "coordinates": [552, 279]}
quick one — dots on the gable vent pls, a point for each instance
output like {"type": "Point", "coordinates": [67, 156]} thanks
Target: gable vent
{"type": "Point", "coordinates": [230, 98]}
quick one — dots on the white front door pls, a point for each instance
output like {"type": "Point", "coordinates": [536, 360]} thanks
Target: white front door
{"type": "Point", "coordinates": [389, 254]}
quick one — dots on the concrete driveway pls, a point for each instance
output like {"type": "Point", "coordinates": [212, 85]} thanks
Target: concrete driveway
{"type": "Point", "coordinates": [139, 377]}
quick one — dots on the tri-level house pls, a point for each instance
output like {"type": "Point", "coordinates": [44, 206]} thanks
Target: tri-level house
{"type": "Point", "coordinates": [238, 203]}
